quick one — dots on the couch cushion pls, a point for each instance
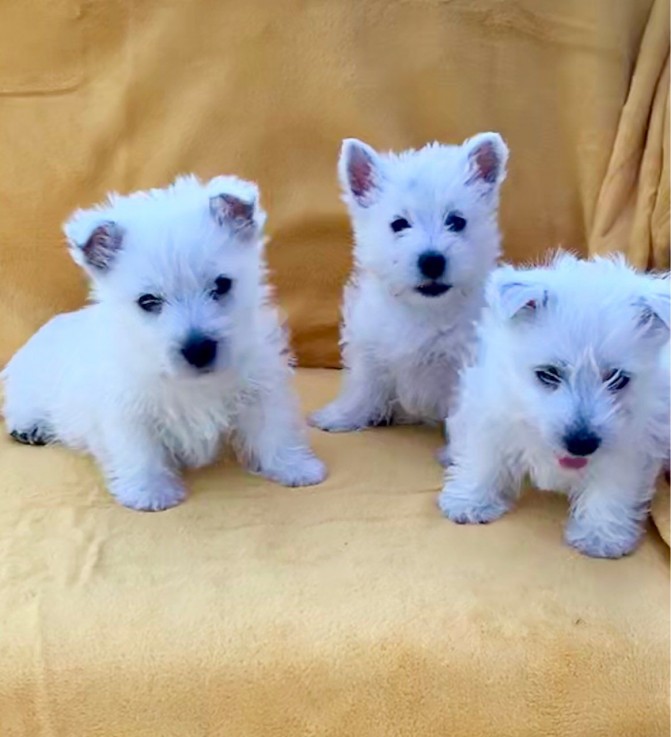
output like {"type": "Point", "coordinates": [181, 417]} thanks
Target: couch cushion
{"type": "Point", "coordinates": [351, 608]}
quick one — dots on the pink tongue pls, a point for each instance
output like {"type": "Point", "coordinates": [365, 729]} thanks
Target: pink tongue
{"type": "Point", "coordinates": [572, 462]}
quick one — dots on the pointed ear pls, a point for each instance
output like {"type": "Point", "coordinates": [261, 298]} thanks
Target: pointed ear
{"type": "Point", "coordinates": [94, 242]}
{"type": "Point", "coordinates": [515, 294]}
{"type": "Point", "coordinates": [240, 213]}
{"type": "Point", "coordinates": [655, 309]}
{"type": "Point", "coordinates": [360, 169]}
{"type": "Point", "coordinates": [486, 160]}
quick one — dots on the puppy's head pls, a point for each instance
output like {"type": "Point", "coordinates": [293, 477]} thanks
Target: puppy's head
{"type": "Point", "coordinates": [425, 221]}
{"type": "Point", "coordinates": [581, 345]}
{"type": "Point", "coordinates": [178, 270]}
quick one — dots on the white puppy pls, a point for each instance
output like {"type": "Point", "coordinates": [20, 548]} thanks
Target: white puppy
{"type": "Point", "coordinates": [179, 350]}
{"type": "Point", "coordinates": [571, 385]}
{"type": "Point", "coordinates": [426, 237]}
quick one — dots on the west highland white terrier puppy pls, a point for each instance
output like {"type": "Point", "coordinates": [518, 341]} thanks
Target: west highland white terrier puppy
{"type": "Point", "coordinates": [570, 385]}
{"type": "Point", "coordinates": [426, 237]}
{"type": "Point", "coordinates": [180, 349]}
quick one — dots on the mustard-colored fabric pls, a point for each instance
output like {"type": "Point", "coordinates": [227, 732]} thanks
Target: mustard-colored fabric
{"type": "Point", "coordinates": [351, 609]}
{"type": "Point", "coordinates": [661, 508]}
{"type": "Point", "coordinates": [633, 206]}
{"type": "Point", "coordinates": [101, 94]}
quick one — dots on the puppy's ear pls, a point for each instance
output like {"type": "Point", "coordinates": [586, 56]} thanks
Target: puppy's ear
{"type": "Point", "coordinates": [514, 295]}
{"type": "Point", "coordinates": [486, 161]}
{"type": "Point", "coordinates": [361, 171]}
{"type": "Point", "coordinates": [655, 309]}
{"type": "Point", "coordinates": [94, 242]}
{"type": "Point", "coordinates": [236, 212]}
{"type": "Point", "coordinates": [234, 204]}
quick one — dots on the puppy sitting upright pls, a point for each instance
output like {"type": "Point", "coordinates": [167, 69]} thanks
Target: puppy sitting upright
{"type": "Point", "coordinates": [570, 386]}
{"type": "Point", "coordinates": [180, 349]}
{"type": "Point", "coordinates": [426, 237]}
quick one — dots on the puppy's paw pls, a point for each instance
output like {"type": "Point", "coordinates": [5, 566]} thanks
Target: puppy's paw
{"type": "Point", "coordinates": [332, 419]}
{"type": "Point", "coordinates": [37, 434]}
{"type": "Point", "coordinates": [601, 543]}
{"type": "Point", "coordinates": [297, 468]}
{"type": "Point", "coordinates": [463, 509]}
{"type": "Point", "coordinates": [151, 494]}
{"type": "Point", "coordinates": [309, 472]}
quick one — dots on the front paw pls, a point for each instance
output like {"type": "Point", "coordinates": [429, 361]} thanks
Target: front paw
{"type": "Point", "coordinates": [468, 509]}
{"type": "Point", "coordinates": [602, 542]}
{"type": "Point", "coordinates": [332, 419]}
{"type": "Point", "coordinates": [301, 468]}
{"type": "Point", "coordinates": [150, 494]}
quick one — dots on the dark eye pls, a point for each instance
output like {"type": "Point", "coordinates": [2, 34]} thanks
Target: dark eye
{"type": "Point", "coordinates": [150, 302]}
{"type": "Point", "coordinates": [455, 222]}
{"type": "Point", "coordinates": [549, 375]}
{"type": "Point", "coordinates": [399, 224]}
{"type": "Point", "coordinates": [222, 286]}
{"type": "Point", "coordinates": [616, 380]}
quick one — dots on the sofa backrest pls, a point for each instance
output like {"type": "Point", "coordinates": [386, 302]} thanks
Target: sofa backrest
{"type": "Point", "coordinates": [124, 95]}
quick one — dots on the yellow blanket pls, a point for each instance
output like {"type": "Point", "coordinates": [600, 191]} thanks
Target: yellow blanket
{"type": "Point", "coordinates": [349, 609]}
{"type": "Point", "coordinates": [353, 608]}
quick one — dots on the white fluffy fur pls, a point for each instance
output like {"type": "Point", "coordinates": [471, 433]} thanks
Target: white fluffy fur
{"type": "Point", "coordinates": [110, 379]}
{"type": "Point", "coordinates": [588, 318]}
{"type": "Point", "coordinates": [402, 350]}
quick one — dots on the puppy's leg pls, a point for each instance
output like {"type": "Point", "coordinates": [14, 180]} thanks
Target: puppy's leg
{"type": "Point", "coordinates": [364, 400]}
{"type": "Point", "coordinates": [448, 409]}
{"type": "Point", "coordinates": [607, 516]}
{"type": "Point", "coordinates": [443, 455]}
{"type": "Point", "coordinates": [137, 469]}
{"type": "Point", "coordinates": [24, 412]}
{"type": "Point", "coordinates": [431, 388]}
{"type": "Point", "coordinates": [270, 440]}
{"type": "Point", "coordinates": [479, 486]}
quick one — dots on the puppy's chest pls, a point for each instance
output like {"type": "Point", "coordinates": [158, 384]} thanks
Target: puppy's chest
{"type": "Point", "coordinates": [426, 378]}
{"type": "Point", "coordinates": [545, 473]}
{"type": "Point", "coordinates": [192, 423]}
{"type": "Point", "coordinates": [546, 478]}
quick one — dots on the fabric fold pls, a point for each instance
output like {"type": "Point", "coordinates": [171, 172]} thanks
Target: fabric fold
{"type": "Point", "coordinates": [632, 212]}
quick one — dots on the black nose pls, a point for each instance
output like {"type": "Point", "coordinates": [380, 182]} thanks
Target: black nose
{"type": "Point", "coordinates": [581, 442]}
{"type": "Point", "coordinates": [432, 264]}
{"type": "Point", "coordinates": [199, 351]}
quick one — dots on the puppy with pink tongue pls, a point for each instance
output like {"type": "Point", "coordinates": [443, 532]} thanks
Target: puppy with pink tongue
{"type": "Point", "coordinates": [570, 387]}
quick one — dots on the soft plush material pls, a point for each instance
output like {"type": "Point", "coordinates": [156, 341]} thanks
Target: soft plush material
{"type": "Point", "coordinates": [352, 608]}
